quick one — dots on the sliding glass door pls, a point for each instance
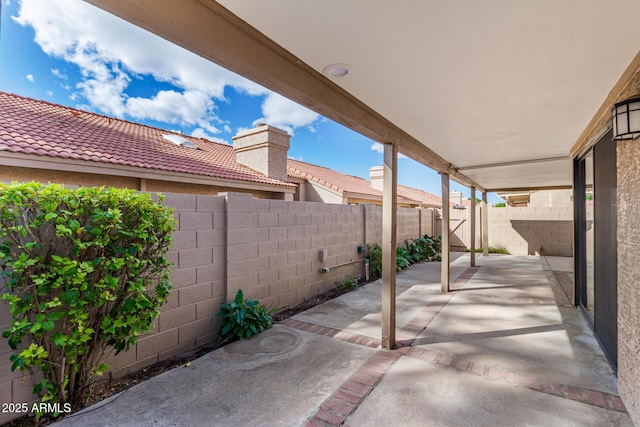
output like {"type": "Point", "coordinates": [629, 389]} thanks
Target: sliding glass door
{"type": "Point", "coordinates": [595, 227]}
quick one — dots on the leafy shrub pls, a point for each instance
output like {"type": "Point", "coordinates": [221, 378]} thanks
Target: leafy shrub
{"type": "Point", "coordinates": [350, 283]}
{"type": "Point", "coordinates": [85, 274]}
{"type": "Point", "coordinates": [500, 205]}
{"type": "Point", "coordinates": [425, 248]}
{"type": "Point", "coordinates": [403, 259]}
{"type": "Point", "coordinates": [374, 255]}
{"type": "Point", "coordinates": [243, 318]}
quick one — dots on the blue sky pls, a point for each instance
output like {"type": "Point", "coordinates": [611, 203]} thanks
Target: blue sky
{"type": "Point", "coordinates": [74, 54]}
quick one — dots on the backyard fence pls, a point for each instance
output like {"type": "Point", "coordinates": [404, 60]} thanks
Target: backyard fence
{"type": "Point", "coordinates": [269, 248]}
{"type": "Point", "coordinates": [520, 230]}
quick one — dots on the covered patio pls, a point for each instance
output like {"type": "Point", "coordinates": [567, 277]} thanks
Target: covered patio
{"type": "Point", "coordinates": [495, 95]}
{"type": "Point", "coordinates": [504, 348]}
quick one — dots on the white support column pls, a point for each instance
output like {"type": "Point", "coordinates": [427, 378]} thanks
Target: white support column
{"type": "Point", "coordinates": [389, 208]}
{"type": "Point", "coordinates": [485, 225]}
{"type": "Point", "coordinates": [473, 227]}
{"type": "Point", "coordinates": [445, 275]}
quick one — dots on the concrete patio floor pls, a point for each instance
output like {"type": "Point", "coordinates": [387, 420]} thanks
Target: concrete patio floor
{"type": "Point", "coordinates": [505, 348]}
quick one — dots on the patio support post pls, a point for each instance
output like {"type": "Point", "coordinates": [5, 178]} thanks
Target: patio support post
{"type": "Point", "coordinates": [484, 211]}
{"type": "Point", "coordinates": [444, 268]}
{"type": "Point", "coordinates": [473, 227]}
{"type": "Point", "coordinates": [389, 207]}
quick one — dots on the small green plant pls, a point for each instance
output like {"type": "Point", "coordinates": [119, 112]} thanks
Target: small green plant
{"type": "Point", "coordinates": [85, 274]}
{"type": "Point", "coordinates": [350, 283]}
{"type": "Point", "coordinates": [243, 318]}
{"type": "Point", "coordinates": [403, 259]}
{"type": "Point", "coordinates": [500, 205]}
{"type": "Point", "coordinates": [492, 250]}
{"type": "Point", "coordinates": [374, 255]}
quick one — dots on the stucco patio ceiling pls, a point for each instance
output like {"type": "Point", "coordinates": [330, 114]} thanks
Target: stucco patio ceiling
{"type": "Point", "coordinates": [497, 90]}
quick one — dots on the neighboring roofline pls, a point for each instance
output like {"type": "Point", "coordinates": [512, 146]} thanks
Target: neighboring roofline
{"type": "Point", "coordinates": [325, 187]}
{"type": "Point", "coordinates": [281, 186]}
{"type": "Point", "coordinates": [339, 190]}
{"type": "Point", "coordinates": [9, 158]}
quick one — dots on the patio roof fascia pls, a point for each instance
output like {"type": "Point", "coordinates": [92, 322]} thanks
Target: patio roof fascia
{"type": "Point", "coordinates": [626, 86]}
{"type": "Point", "coordinates": [210, 30]}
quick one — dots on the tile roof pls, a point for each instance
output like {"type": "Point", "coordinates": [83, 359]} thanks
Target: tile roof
{"type": "Point", "coordinates": [420, 195]}
{"type": "Point", "coordinates": [330, 178]}
{"type": "Point", "coordinates": [41, 128]}
{"type": "Point", "coordinates": [353, 184]}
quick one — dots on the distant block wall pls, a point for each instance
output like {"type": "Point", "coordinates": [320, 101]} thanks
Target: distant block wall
{"type": "Point", "coordinates": [532, 230]}
{"type": "Point", "coordinates": [521, 230]}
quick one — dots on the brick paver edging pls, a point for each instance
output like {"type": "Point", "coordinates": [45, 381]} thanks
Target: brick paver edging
{"type": "Point", "coordinates": [516, 379]}
{"type": "Point", "coordinates": [335, 410]}
{"type": "Point", "coordinates": [333, 333]}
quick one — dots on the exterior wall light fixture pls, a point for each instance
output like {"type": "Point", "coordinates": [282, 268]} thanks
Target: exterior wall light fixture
{"type": "Point", "coordinates": [626, 119]}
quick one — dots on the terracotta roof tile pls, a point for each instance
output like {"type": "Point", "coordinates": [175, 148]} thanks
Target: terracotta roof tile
{"type": "Point", "coordinates": [41, 128]}
{"type": "Point", "coordinates": [36, 127]}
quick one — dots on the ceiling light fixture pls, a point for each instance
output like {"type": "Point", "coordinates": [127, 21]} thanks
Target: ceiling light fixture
{"type": "Point", "coordinates": [336, 70]}
{"type": "Point", "coordinates": [626, 119]}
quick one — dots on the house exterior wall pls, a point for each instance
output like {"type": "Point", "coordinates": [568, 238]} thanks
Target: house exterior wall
{"type": "Point", "coordinates": [317, 193]}
{"type": "Point", "coordinates": [628, 164]}
{"type": "Point", "coordinates": [10, 174]}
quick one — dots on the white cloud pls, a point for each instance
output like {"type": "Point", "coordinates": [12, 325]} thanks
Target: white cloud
{"type": "Point", "coordinates": [30, 77]}
{"type": "Point", "coordinates": [58, 74]}
{"type": "Point", "coordinates": [110, 52]}
{"type": "Point", "coordinates": [201, 133]}
{"type": "Point", "coordinates": [285, 114]}
{"type": "Point", "coordinates": [379, 148]}
{"type": "Point", "coordinates": [50, 93]}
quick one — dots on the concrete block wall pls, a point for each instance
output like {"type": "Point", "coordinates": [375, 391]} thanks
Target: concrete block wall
{"type": "Point", "coordinates": [411, 223]}
{"type": "Point", "coordinates": [521, 230]}
{"type": "Point", "coordinates": [187, 321]}
{"type": "Point", "coordinates": [408, 225]}
{"type": "Point", "coordinates": [532, 230]}
{"type": "Point", "coordinates": [268, 248]}
{"type": "Point", "coordinates": [15, 386]}
{"type": "Point", "coordinates": [273, 251]}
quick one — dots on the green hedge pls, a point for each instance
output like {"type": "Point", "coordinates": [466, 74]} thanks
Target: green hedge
{"type": "Point", "coordinates": [85, 274]}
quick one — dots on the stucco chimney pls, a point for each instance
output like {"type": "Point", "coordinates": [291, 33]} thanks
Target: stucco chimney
{"type": "Point", "coordinates": [376, 174]}
{"type": "Point", "coordinates": [263, 149]}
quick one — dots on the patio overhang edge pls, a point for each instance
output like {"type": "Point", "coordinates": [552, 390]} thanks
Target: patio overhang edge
{"type": "Point", "coordinates": [210, 30]}
{"type": "Point", "coordinates": [527, 189]}
{"type": "Point", "coordinates": [600, 121]}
